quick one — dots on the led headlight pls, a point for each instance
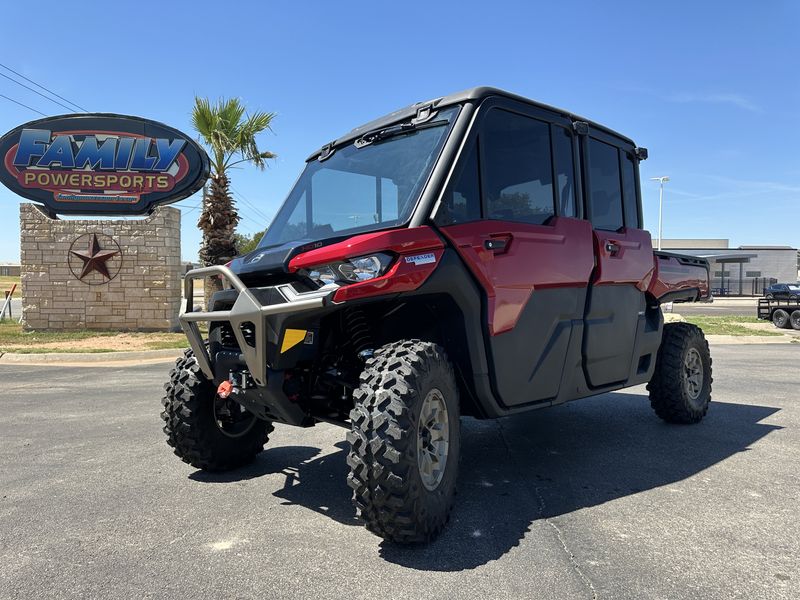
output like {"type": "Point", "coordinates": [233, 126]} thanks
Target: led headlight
{"type": "Point", "coordinates": [351, 270]}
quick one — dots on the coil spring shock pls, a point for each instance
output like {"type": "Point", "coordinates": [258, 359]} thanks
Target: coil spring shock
{"type": "Point", "coordinates": [357, 326]}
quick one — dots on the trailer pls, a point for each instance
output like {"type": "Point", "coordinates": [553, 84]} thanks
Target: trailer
{"type": "Point", "coordinates": [784, 314]}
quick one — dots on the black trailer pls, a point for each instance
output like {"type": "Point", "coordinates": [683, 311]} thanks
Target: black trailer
{"type": "Point", "coordinates": [784, 314]}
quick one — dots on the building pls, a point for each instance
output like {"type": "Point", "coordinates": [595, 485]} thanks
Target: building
{"type": "Point", "coordinates": [742, 271]}
{"type": "Point", "coordinates": [9, 270]}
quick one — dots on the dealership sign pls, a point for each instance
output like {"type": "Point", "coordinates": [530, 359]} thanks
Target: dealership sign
{"type": "Point", "coordinates": [101, 164]}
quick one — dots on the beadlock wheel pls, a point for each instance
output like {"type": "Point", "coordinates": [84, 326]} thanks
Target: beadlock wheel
{"type": "Point", "coordinates": [202, 429]}
{"type": "Point", "coordinates": [680, 388]}
{"type": "Point", "coordinates": [232, 419]}
{"type": "Point", "coordinates": [433, 433]}
{"type": "Point", "coordinates": [693, 373]}
{"type": "Point", "coordinates": [405, 441]}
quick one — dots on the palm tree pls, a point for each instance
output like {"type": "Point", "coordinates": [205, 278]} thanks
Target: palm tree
{"type": "Point", "coordinates": [230, 136]}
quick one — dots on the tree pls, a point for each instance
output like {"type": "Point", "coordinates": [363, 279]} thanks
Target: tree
{"type": "Point", "coordinates": [229, 133]}
{"type": "Point", "coordinates": [247, 243]}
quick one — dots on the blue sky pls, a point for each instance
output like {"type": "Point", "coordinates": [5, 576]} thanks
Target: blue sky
{"type": "Point", "coordinates": [711, 88]}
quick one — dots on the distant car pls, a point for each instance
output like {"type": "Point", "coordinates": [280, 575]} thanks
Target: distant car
{"type": "Point", "coordinates": [783, 291]}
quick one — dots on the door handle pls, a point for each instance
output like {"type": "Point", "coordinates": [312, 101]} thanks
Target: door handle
{"type": "Point", "coordinates": [496, 244]}
{"type": "Point", "coordinates": [612, 248]}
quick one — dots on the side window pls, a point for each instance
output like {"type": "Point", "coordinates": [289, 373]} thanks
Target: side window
{"type": "Point", "coordinates": [605, 193]}
{"type": "Point", "coordinates": [517, 168]}
{"type": "Point", "coordinates": [462, 203]}
{"type": "Point", "coordinates": [629, 192]}
{"type": "Point", "coordinates": [565, 171]}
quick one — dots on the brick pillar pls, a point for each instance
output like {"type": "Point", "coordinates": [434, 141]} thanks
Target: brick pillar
{"type": "Point", "coordinates": [142, 295]}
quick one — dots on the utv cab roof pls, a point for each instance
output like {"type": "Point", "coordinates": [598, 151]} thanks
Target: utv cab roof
{"type": "Point", "coordinates": [475, 94]}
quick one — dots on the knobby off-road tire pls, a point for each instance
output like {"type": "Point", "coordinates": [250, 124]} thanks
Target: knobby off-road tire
{"type": "Point", "coordinates": [781, 319]}
{"type": "Point", "coordinates": [680, 389]}
{"type": "Point", "coordinates": [396, 442]}
{"type": "Point", "coordinates": [192, 427]}
{"type": "Point", "coordinates": [795, 319]}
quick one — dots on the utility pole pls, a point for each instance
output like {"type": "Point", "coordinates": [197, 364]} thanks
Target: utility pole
{"type": "Point", "coordinates": [661, 181]}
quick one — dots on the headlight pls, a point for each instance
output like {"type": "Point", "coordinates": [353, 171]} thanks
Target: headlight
{"type": "Point", "coordinates": [351, 270]}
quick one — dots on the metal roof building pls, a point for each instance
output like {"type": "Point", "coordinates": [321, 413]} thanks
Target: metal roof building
{"type": "Point", "coordinates": [742, 271]}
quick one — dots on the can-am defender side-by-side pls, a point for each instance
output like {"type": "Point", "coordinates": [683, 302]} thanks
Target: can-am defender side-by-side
{"type": "Point", "coordinates": [480, 254]}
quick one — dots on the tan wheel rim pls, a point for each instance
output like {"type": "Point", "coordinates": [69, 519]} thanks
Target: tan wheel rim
{"type": "Point", "coordinates": [693, 373]}
{"type": "Point", "coordinates": [433, 439]}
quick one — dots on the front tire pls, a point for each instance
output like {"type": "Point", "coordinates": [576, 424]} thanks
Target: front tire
{"type": "Point", "coordinates": [680, 389]}
{"type": "Point", "coordinates": [405, 442]}
{"type": "Point", "coordinates": [795, 319]}
{"type": "Point", "coordinates": [203, 430]}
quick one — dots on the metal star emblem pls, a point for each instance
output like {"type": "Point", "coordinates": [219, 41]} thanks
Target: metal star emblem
{"type": "Point", "coordinates": [94, 258]}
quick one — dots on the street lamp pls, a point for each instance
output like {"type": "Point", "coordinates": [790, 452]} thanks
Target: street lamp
{"type": "Point", "coordinates": [661, 181]}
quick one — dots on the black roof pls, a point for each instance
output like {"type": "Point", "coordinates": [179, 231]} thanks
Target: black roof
{"type": "Point", "coordinates": [475, 94]}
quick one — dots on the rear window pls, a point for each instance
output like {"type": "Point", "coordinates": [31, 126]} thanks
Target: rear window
{"type": "Point", "coordinates": [630, 198]}
{"type": "Point", "coordinates": [605, 191]}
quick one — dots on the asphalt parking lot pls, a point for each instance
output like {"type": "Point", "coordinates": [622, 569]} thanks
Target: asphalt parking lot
{"type": "Point", "coordinates": [597, 498]}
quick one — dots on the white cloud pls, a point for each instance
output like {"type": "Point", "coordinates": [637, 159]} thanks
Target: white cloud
{"type": "Point", "coordinates": [714, 98]}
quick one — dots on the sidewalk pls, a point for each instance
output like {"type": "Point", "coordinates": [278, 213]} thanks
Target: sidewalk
{"type": "Point", "coordinates": [94, 359]}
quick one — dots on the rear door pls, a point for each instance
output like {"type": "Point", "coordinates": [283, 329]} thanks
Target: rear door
{"type": "Point", "coordinates": [624, 260]}
{"type": "Point", "coordinates": [511, 214]}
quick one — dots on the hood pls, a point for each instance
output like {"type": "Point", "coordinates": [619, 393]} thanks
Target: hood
{"type": "Point", "coordinates": [274, 259]}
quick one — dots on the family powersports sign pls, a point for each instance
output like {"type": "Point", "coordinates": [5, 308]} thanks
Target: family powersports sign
{"type": "Point", "coordinates": [101, 164]}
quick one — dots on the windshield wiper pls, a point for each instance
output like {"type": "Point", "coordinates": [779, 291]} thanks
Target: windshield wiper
{"type": "Point", "coordinates": [377, 135]}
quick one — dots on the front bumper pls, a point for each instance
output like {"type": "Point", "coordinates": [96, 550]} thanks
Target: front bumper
{"type": "Point", "coordinates": [247, 310]}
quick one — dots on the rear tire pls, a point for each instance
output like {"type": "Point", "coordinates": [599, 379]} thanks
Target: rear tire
{"type": "Point", "coordinates": [770, 297]}
{"type": "Point", "coordinates": [795, 320]}
{"type": "Point", "coordinates": [198, 432]}
{"type": "Point", "coordinates": [405, 442]}
{"type": "Point", "coordinates": [780, 318]}
{"type": "Point", "coordinates": [680, 389]}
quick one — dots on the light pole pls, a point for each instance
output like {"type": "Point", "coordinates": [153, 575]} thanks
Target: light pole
{"type": "Point", "coordinates": [661, 181]}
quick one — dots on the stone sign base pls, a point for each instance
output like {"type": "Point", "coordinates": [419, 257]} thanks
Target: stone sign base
{"type": "Point", "coordinates": [118, 275]}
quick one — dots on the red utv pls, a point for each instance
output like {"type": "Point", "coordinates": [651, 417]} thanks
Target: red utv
{"type": "Point", "coordinates": [480, 254]}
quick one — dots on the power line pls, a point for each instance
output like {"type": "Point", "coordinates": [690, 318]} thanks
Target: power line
{"type": "Point", "coordinates": [257, 212]}
{"type": "Point", "coordinates": [187, 209]}
{"type": "Point", "coordinates": [78, 106]}
{"type": "Point", "coordinates": [27, 87]}
{"type": "Point", "coordinates": [250, 204]}
{"type": "Point", "coordinates": [21, 104]}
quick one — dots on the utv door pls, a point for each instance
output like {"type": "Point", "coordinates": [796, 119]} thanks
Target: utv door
{"type": "Point", "coordinates": [616, 308]}
{"type": "Point", "coordinates": [510, 213]}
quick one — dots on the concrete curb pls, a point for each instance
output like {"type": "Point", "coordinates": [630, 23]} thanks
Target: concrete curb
{"type": "Point", "coordinates": [751, 339]}
{"type": "Point", "coordinates": [92, 359]}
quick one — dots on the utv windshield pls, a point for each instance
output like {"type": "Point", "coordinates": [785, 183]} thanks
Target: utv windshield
{"type": "Point", "coordinates": [371, 184]}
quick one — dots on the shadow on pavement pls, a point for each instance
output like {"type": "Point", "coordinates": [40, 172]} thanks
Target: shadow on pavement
{"type": "Point", "coordinates": [538, 465]}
